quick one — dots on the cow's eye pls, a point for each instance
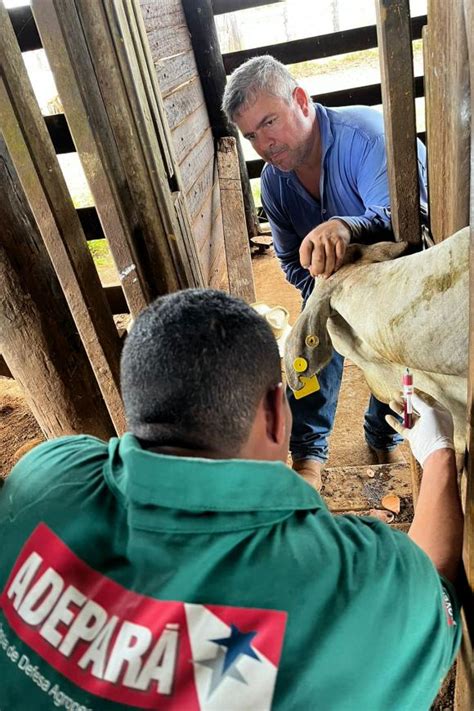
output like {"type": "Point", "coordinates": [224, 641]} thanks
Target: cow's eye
{"type": "Point", "coordinates": [312, 341]}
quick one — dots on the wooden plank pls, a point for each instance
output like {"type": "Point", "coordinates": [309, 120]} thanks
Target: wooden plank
{"type": "Point", "coordinates": [168, 41]}
{"type": "Point", "coordinates": [50, 362]}
{"type": "Point", "coordinates": [182, 102]}
{"type": "Point", "coordinates": [68, 55]}
{"type": "Point", "coordinates": [195, 161]}
{"type": "Point", "coordinates": [370, 95]}
{"type": "Point", "coordinates": [222, 6]}
{"type": "Point", "coordinates": [328, 45]}
{"type": "Point", "coordinates": [212, 250]}
{"type": "Point", "coordinates": [112, 39]}
{"type": "Point", "coordinates": [448, 129]}
{"type": "Point", "coordinates": [161, 14]}
{"type": "Point", "coordinates": [205, 42]}
{"type": "Point", "coordinates": [198, 192]}
{"type": "Point", "coordinates": [117, 304]}
{"type": "Point", "coordinates": [173, 72]}
{"type": "Point", "coordinates": [209, 212]}
{"type": "Point", "coordinates": [396, 64]}
{"type": "Point", "coordinates": [36, 164]}
{"type": "Point", "coordinates": [185, 247]}
{"type": "Point", "coordinates": [237, 248]}
{"type": "Point", "coordinates": [464, 693]}
{"type": "Point", "coordinates": [189, 132]}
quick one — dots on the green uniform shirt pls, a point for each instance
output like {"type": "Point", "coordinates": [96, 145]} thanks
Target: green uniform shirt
{"type": "Point", "coordinates": [132, 579]}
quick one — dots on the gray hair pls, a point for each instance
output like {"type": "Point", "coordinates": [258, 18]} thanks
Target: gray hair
{"type": "Point", "coordinates": [259, 74]}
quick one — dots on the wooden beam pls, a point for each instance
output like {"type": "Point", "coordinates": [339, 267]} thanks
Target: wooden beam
{"type": "Point", "coordinates": [396, 64]}
{"type": "Point", "coordinates": [74, 74]}
{"type": "Point", "coordinates": [447, 124]}
{"type": "Point", "coordinates": [310, 48]}
{"type": "Point", "coordinates": [35, 162]}
{"type": "Point", "coordinates": [220, 7]}
{"type": "Point", "coordinates": [201, 24]}
{"type": "Point", "coordinates": [146, 190]}
{"type": "Point", "coordinates": [464, 692]}
{"type": "Point", "coordinates": [237, 248]}
{"type": "Point", "coordinates": [41, 347]}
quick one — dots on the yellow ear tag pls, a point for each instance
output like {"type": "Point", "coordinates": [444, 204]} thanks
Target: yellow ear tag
{"type": "Point", "coordinates": [300, 365]}
{"type": "Point", "coordinates": [310, 385]}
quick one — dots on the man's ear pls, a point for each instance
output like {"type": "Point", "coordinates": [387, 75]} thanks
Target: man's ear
{"type": "Point", "coordinates": [275, 411]}
{"type": "Point", "coordinates": [302, 99]}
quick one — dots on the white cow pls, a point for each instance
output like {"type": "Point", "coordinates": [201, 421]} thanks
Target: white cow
{"type": "Point", "coordinates": [411, 311]}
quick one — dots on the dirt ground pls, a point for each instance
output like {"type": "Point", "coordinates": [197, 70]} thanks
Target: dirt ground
{"type": "Point", "coordinates": [352, 481]}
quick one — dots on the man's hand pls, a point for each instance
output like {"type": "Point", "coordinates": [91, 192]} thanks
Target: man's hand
{"type": "Point", "coordinates": [323, 249]}
{"type": "Point", "coordinates": [433, 428]}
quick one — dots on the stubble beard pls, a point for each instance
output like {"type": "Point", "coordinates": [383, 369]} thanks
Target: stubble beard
{"type": "Point", "coordinates": [294, 158]}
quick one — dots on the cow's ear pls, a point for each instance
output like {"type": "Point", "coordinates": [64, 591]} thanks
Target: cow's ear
{"type": "Point", "coordinates": [370, 253]}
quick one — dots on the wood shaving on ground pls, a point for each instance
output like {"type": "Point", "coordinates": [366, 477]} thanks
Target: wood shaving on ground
{"type": "Point", "coordinates": [392, 503]}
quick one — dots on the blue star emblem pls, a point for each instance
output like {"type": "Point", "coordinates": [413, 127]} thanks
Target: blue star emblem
{"type": "Point", "coordinates": [223, 665]}
{"type": "Point", "coordinates": [237, 643]}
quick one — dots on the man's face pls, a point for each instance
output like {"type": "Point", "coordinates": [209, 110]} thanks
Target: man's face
{"type": "Point", "coordinates": [281, 133]}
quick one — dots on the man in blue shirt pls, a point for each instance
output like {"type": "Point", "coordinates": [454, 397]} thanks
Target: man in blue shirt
{"type": "Point", "coordinates": [324, 185]}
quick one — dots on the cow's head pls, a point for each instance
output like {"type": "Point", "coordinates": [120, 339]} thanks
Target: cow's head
{"type": "Point", "coordinates": [309, 339]}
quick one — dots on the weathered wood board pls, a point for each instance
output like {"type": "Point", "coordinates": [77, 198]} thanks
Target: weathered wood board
{"type": "Point", "coordinates": [183, 100]}
{"type": "Point", "coordinates": [448, 117]}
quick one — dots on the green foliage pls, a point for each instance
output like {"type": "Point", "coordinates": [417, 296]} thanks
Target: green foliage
{"type": "Point", "coordinates": [100, 251]}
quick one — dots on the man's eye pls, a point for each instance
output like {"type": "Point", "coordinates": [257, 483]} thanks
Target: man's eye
{"type": "Point", "coordinates": [269, 122]}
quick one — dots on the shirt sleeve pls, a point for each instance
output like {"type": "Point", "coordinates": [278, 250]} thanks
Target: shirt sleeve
{"type": "Point", "coordinates": [415, 609]}
{"type": "Point", "coordinates": [285, 240]}
{"type": "Point", "coordinates": [52, 465]}
{"type": "Point", "coordinates": [371, 180]}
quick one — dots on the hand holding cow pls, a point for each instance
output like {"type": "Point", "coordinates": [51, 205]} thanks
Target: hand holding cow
{"type": "Point", "coordinates": [323, 249]}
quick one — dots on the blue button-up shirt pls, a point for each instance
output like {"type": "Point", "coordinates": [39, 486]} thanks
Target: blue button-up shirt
{"type": "Point", "coordinates": [353, 187]}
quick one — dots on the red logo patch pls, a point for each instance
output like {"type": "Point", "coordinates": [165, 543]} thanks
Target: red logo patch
{"type": "Point", "coordinates": [134, 649]}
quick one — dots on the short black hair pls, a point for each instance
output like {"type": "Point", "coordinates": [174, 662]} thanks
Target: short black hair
{"type": "Point", "coordinates": [194, 367]}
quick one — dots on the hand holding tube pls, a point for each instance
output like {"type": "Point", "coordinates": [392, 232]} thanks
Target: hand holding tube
{"type": "Point", "coordinates": [432, 426]}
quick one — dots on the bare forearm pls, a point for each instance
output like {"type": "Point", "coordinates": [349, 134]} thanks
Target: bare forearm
{"type": "Point", "coordinates": [438, 522]}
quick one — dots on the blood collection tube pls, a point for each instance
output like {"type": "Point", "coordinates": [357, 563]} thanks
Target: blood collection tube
{"type": "Point", "coordinates": [407, 399]}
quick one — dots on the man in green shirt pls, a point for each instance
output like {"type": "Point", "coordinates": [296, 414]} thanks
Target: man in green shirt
{"type": "Point", "coordinates": [184, 566]}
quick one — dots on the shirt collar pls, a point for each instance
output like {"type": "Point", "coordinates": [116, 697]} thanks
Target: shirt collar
{"type": "Point", "coordinates": [196, 485]}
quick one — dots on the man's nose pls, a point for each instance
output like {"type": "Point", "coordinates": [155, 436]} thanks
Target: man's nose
{"type": "Point", "coordinates": [267, 141]}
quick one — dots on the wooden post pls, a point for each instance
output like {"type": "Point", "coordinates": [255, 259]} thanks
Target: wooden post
{"type": "Point", "coordinates": [200, 19]}
{"type": "Point", "coordinates": [447, 117]}
{"type": "Point", "coordinates": [39, 339]}
{"type": "Point", "coordinates": [104, 43]}
{"type": "Point", "coordinates": [237, 249]}
{"type": "Point", "coordinates": [396, 64]}
{"type": "Point", "coordinates": [464, 693]}
{"type": "Point", "coordinates": [33, 156]}
{"type": "Point", "coordinates": [87, 119]}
